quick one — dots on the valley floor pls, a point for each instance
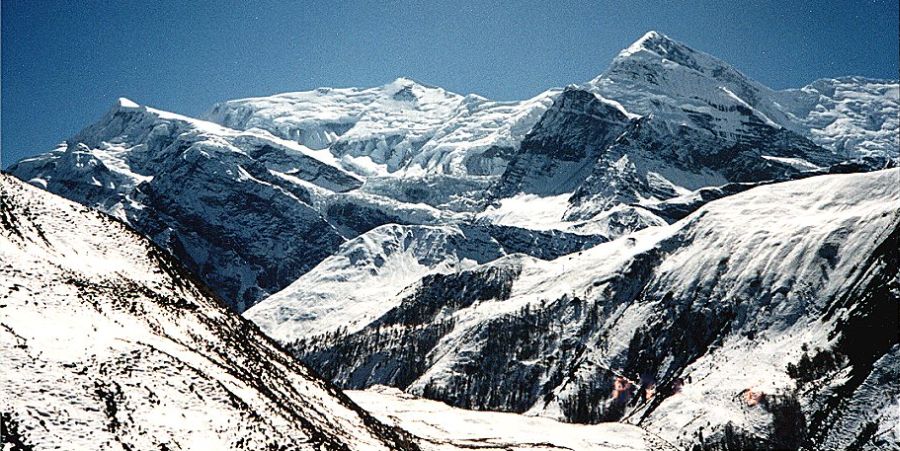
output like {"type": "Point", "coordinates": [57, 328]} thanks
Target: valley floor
{"type": "Point", "coordinates": [443, 427]}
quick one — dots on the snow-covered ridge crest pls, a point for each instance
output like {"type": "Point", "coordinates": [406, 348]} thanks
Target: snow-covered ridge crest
{"type": "Point", "coordinates": [127, 120]}
{"type": "Point", "coordinates": [402, 126]}
{"type": "Point", "coordinates": [332, 112]}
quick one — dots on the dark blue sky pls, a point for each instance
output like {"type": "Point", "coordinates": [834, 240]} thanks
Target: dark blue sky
{"type": "Point", "coordinates": [64, 63]}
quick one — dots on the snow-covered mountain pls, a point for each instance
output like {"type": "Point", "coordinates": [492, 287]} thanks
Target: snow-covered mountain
{"type": "Point", "coordinates": [247, 211]}
{"type": "Point", "coordinates": [852, 116]}
{"type": "Point", "coordinates": [768, 316]}
{"type": "Point", "coordinates": [268, 188]}
{"type": "Point", "coordinates": [109, 344]}
{"type": "Point", "coordinates": [404, 126]}
{"type": "Point", "coordinates": [218, 199]}
{"type": "Point", "coordinates": [670, 244]}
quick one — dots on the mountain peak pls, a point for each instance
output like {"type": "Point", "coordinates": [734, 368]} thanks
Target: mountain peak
{"type": "Point", "coordinates": [404, 81]}
{"type": "Point", "coordinates": [124, 103]}
{"type": "Point", "coordinates": [654, 49]}
{"type": "Point", "coordinates": [652, 41]}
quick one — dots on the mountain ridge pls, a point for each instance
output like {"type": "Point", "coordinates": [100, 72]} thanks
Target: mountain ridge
{"type": "Point", "coordinates": [433, 157]}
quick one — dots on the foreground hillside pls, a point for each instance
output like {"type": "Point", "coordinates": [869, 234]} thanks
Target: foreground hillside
{"type": "Point", "coordinates": [769, 316]}
{"type": "Point", "coordinates": [108, 344]}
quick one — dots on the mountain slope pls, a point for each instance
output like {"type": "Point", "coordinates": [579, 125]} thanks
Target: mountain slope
{"type": "Point", "coordinates": [703, 320]}
{"type": "Point", "coordinates": [107, 343]}
{"type": "Point", "coordinates": [359, 282]}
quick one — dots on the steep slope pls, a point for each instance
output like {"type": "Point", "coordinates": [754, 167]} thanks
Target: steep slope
{"type": "Point", "coordinates": [726, 327]}
{"type": "Point", "coordinates": [559, 152]}
{"type": "Point", "coordinates": [656, 160]}
{"type": "Point", "coordinates": [108, 343]}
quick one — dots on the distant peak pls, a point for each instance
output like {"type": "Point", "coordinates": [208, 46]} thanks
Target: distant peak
{"type": "Point", "coordinates": [401, 83]}
{"type": "Point", "coordinates": [652, 35]}
{"type": "Point", "coordinates": [654, 47]}
{"type": "Point", "coordinates": [652, 41]}
{"type": "Point", "coordinates": [126, 103]}
{"type": "Point", "coordinates": [406, 89]}
{"type": "Point", "coordinates": [404, 81]}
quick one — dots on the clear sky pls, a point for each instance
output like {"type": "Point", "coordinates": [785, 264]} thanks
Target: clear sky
{"type": "Point", "coordinates": [64, 63]}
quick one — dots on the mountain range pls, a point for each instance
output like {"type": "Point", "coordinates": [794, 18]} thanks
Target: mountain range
{"type": "Point", "coordinates": [671, 245]}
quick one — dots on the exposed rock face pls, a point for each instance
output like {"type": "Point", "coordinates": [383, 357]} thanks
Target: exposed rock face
{"type": "Point", "coordinates": [559, 152]}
